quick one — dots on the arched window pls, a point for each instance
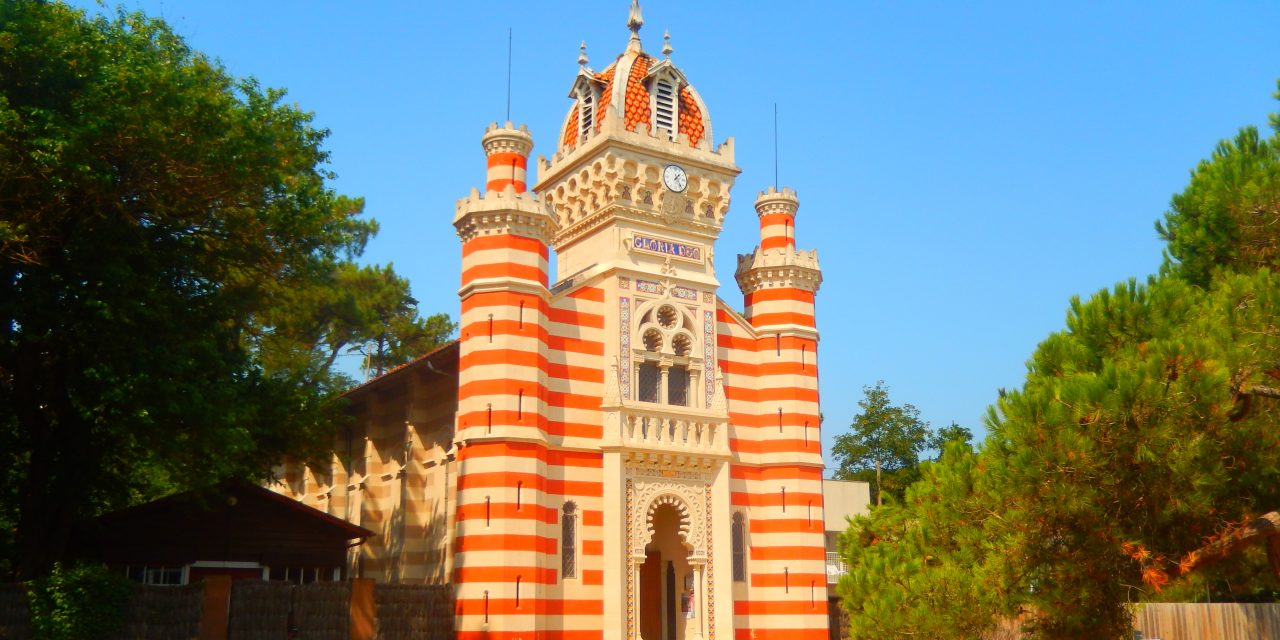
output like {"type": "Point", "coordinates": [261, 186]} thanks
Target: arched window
{"type": "Point", "coordinates": [668, 368]}
{"type": "Point", "coordinates": [568, 540]}
{"type": "Point", "coordinates": [739, 548]}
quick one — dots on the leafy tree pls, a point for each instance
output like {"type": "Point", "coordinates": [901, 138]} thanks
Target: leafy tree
{"type": "Point", "coordinates": [1227, 216]}
{"type": "Point", "coordinates": [948, 434]}
{"type": "Point", "coordinates": [883, 445]}
{"type": "Point", "coordinates": [367, 310]}
{"type": "Point", "coordinates": [927, 567]}
{"type": "Point", "coordinates": [79, 603]}
{"type": "Point", "coordinates": [168, 243]}
{"type": "Point", "coordinates": [1141, 453]}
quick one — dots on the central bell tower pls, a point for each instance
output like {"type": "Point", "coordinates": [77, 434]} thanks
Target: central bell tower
{"type": "Point", "coordinates": [639, 194]}
{"type": "Point", "coordinates": [636, 459]}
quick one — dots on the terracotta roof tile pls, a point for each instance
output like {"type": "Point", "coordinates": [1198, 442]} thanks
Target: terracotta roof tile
{"type": "Point", "coordinates": [690, 117]}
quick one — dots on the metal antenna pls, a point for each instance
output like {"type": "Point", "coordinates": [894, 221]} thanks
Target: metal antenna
{"type": "Point", "coordinates": [508, 73]}
{"type": "Point", "coordinates": [775, 146]}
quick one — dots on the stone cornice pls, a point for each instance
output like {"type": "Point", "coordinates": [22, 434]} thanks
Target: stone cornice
{"type": "Point", "coordinates": [504, 212]}
{"type": "Point", "coordinates": [777, 268]}
{"type": "Point", "coordinates": [507, 139]}
{"type": "Point", "coordinates": [774, 201]}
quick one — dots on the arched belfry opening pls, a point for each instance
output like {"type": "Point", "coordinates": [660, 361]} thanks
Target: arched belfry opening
{"type": "Point", "coordinates": [668, 602]}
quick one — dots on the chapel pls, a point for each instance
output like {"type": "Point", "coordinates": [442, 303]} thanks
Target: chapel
{"type": "Point", "coordinates": [612, 451]}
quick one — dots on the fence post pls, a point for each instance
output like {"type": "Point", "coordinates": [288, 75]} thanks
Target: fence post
{"type": "Point", "coordinates": [216, 608]}
{"type": "Point", "coordinates": [363, 612]}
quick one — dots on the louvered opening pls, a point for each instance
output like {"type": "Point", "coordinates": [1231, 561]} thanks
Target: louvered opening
{"type": "Point", "coordinates": [586, 114]}
{"type": "Point", "coordinates": [664, 109]}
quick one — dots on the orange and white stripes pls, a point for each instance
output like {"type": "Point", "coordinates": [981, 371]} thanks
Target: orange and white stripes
{"type": "Point", "coordinates": [769, 359]}
{"type": "Point", "coordinates": [777, 212]}
{"type": "Point", "coordinates": [507, 154]}
{"type": "Point", "coordinates": [503, 519]}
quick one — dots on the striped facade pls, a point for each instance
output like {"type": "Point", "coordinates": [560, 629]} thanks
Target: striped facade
{"type": "Point", "coordinates": [615, 452]}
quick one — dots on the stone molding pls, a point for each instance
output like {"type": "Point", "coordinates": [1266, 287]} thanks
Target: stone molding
{"type": "Point", "coordinates": [507, 139]}
{"type": "Point", "coordinates": [504, 212]}
{"type": "Point", "coordinates": [776, 268]}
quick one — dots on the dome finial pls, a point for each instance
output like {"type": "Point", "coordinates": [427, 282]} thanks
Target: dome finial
{"type": "Point", "coordinates": [666, 44]}
{"type": "Point", "coordinates": [582, 54]}
{"type": "Point", "coordinates": [635, 20]}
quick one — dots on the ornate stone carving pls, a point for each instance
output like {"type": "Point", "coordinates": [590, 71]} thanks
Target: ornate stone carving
{"type": "Point", "coordinates": [688, 499]}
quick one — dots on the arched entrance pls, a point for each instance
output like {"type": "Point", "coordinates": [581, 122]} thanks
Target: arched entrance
{"type": "Point", "coordinates": [668, 602]}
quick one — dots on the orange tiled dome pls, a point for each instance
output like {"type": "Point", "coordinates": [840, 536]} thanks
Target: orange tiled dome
{"type": "Point", "coordinates": [635, 102]}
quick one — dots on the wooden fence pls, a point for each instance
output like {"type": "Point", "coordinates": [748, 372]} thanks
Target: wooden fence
{"type": "Point", "coordinates": [218, 609]}
{"type": "Point", "coordinates": [1228, 621]}
{"type": "Point", "coordinates": [1186, 621]}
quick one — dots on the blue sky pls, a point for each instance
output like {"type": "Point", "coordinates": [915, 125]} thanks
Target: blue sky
{"type": "Point", "coordinates": [963, 168]}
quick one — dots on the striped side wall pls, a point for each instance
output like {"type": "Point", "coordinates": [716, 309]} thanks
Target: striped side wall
{"type": "Point", "coordinates": [771, 384]}
{"type": "Point", "coordinates": [502, 519]}
{"type": "Point", "coordinates": [777, 230]}
{"type": "Point", "coordinates": [506, 168]}
{"type": "Point", "coordinates": [780, 306]}
{"type": "Point", "coordinates": [508, 548]}
{"type": "Point", "coordinates": [785, 591]}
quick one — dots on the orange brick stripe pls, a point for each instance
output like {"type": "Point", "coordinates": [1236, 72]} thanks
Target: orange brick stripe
{"type": "Point", "coordinates": [819, 633]}
{"type": "Point", "coordinates": [794, 578]}
{"type": "Point", "coordinates": [776, 242]}
{"type": "Point", "coordinates": [480, 330]}
{"type": "Point", "coordinates": [572, 400]}
{"type": "Point", "coordinates": [532, 452]}
{"type": "Point", "coordinates": [743, 472]}
{"type": "Point", "coordinates": [529, 607]}
{"type": "Point", "coordinates": [783, 317]}
{"type": "Point", "coordinates": [507, 542]}
{"type": "Point", "coordinates": [594, 294]}
{"type": "Point", "coordinates": [774, 445]}
{"type": "Point", "coordinates": [576, 318]}
{"type": "Point", "coordinates": [511, 480]}
{"type": "Point", "coordinates": [545, 635]}
{"type": "Point", "coordinates": [795, 499]}
{"type": "Point", "coordinates": [512, 327]}
{"type": "Point", "coordinates": [480, 388]}
{"type": "Point", "coordinates": [529, 575]}
{"type": "Point", "coordinates": [796, 607]}
{"type": "Point", "coordinates": [574, 430]}
{"type": "Point", "coordinates": [504, 270]}
{"type": "Point", "coordinates": [765, 395]}
{"type": "Point", "coordinates": [502, 298]}
{"type": "Point", "coordinates": [506, 168]}
{"type": "Point", "coordinates": [766, 420]}
{"type": "Point", "coordinates": [507, 159]}
{"type": "Point", "coordinates": [781, 294]}
{"type": "Point", "coordinates": [507, 511]}
{"type": "Point", "coordinates": [814, 553]}
{"type": "Point", "coordinates": [506, 241]}
{"type": "Point", "coordinates": [529, 359]}
{"type": "Point", "coordinates": [784, 525]}
{"type": "Point", "coordinates": [767, 342]}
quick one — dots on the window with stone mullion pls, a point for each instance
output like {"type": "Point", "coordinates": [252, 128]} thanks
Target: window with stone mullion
{"type": "Point", "coordinates": [649, 377]}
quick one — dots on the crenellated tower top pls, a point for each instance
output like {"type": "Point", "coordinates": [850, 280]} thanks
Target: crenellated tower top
{"type": "Point", "coordinates": [776, 263]}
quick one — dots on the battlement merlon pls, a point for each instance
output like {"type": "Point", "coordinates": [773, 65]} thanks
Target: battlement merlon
{"type": "Point", "coordinates": [504, 212]}
{"type": "Point", "coordinates": [771, 201]}
{"type": "Point", "coordinates": [784, 267]}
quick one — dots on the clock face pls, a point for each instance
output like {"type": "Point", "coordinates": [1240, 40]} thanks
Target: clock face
{"type": "Point", "coordinates": [674, 177]}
